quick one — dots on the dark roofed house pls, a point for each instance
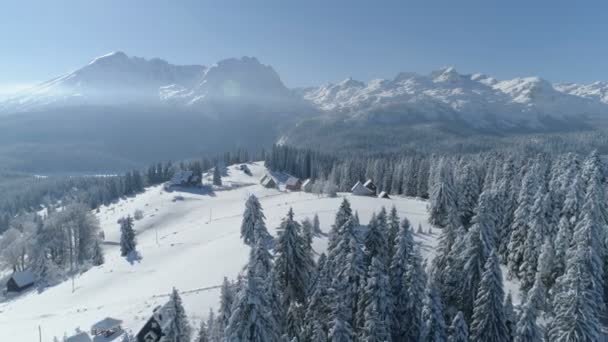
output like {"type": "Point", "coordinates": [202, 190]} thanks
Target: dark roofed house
{"type": "Point", "coordinates": [383, 194]}
{"type": "Point", "coordinates": [157, 325]}
{"type": "Point", "coordinates": [106, 327]}
{"type": "Point", "coordinates": [184, 178]}
{"type": "Point", "coordinates": [371, 186]}
{"type": "Point", "coordinates": [79, 337]}
{"type": "Point", "coordinates": [359, 190]}
{"type": "Point", "coordinates": [307, 185]}
{"type": "Point", "coordinates": [293, 184]}
{"type": "Point", "coordinates": [268, 181]}
{"type": "Point", "coordinates": [20, 281]}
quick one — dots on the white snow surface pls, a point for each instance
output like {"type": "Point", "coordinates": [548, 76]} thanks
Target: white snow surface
{"type": "Point", "coordinates": [187, 239]}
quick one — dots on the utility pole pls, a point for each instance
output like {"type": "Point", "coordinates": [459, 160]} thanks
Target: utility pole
{"type": "Point", "coordinates": [39, 333]}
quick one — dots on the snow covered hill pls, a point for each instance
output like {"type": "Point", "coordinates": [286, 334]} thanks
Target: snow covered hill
{"type": "Point", "coordinates": [189, 240]}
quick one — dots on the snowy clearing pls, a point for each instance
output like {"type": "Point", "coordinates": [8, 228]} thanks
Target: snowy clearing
{"type": "Point", "coordinates": [187, 239]}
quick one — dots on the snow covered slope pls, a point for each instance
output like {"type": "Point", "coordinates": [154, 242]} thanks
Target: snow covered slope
{"type": "Point", "coordinates": [189, 240]}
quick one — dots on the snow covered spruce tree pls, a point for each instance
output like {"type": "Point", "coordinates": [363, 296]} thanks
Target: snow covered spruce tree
{"type": "Point", "coordinates": [510, 317]}
{"type": "Point", "coordinates": [319, 309]}
{"type": "Point", "coordinates": [344, 213]}
{"type": "Point", "coordinates": [179, 329]}
{"type": "Point", "coordinates": [252, 318]}
{"type": "Point", "coordinates": [527, 329]}
{"type": "Point", "coordinates": [98, 258]}
{"type": "Point", "coordinates": [294, 261]}
{"type": "Point", "coordinates": [393, 230]}
{"type": "Point", "coordinates": [203, 333]}
{"type": "Point", "coordinates": [224, 311]}
{"type": "Point", "coordinates": [127, 236]}
{"type": "Point", "coordinates": [401, 289]}
{"type": "Point", "coordinates": [468, 193]}
{"type": "Point", "coordinates": [477, 247]}
{"type": "Point", "coordinates": [254, 220]}
{"type": "Point", "coordinates": [521, 219]}
{"type": "Point", "coordinates": [534, 239]}
{"type": "Point", "coordinates": [376, 243]}
{"type": "Point", "coordinates": [340, 328]}
{"type": "Point", "coordinates": [575, 305]}
{"type": "Point", "coordinates": [488, 322]}
{"type": "Point", "coordinates": [433, 323]}
{"type": "Point", "coordinates": [443, 195]}
{"type": "Point", "coordinates": [217, 174]}
{"type": "Point", "coordinates": [458, 331]}
{"type": "Point", "coordinates": [378, 306]}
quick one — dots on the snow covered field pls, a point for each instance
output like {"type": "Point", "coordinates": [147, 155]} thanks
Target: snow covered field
{"type": "Point", "coordinates": [189, 240]}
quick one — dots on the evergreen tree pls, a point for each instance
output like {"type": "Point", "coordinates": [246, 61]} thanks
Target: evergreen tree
{"type": "Point", "coordinates": [546, 264]}
{"type": "Point", "coordinates": [468, 194]}
{"type": "Point", "coordinates": [443, 196]}
{"type": "Point", "coordinates": [127, 236]}
{"type": "Point", "coordinates": [576, 317]}
{"type": "Point", "coordinates": [203, 334]}
{"type": "Point", "coordinates": [434, 329]}
{"type": "Point", "coordinates": [179, 330]}
{"type": "Point", "coordinates": [521, 220]}
{"type": "Point", "coordinates": [489, 322]}
{"type": "Point", "coordinates": [217, 175]}
{"type": "Point", "coordinates": [459, 331]}
{"type": "Point", "coordinates": [294, 261]}
{"type": "Point", "coordinates": [98, 258]}
{"type": "Point", "coordinates": [393, 230]}
{"type": "Point", "coordinates": [534, 239]}
{"type": "Point", "coordinates": [340, 330]}
{"type": "Point", "coordinates": [344, 213]}
{"type": "Point", "coordinates": [319, 308]}
{"type": "Point", "coordinates": [378, 308]}
{"type": "Point", "coordinates": [316, 226]}
{"type": "Point", "coordinates": [225, 310]}
{"type": "Point", "coordinates": [376, 244]}
{"type": "Point", "coordinates": [254, 220]}
{"type": "Point", "coordinates": [252, 319]}
{"type": "Point", "coordinates": [510, 317]}
{"type": "Point", "coordinates": [400, 288]}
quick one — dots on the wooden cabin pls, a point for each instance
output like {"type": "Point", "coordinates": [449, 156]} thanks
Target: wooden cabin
{"type": "Point", "coordinates": [79, 337]}
{"type": "Point", "coordinates": [107, 327]}
{"type": "Point", "coordinates": [293, 184]}
{"type": "Point", "coordinates": [371, 186]}
{"type": "Point", "coordinates": [383, 194]}
{"type": "Point", "coordinates": [20, 281]}
{"type": "Point", "coordinates": [359, 190]}
{"type": "Point", "coordinates": [185, 178]}
{"type": "Point", "coordinates": [307, 185]}
{"type": "Point", "coordinates": [157, 325]}
{"type": "Point", "coordinates": [268, 181]}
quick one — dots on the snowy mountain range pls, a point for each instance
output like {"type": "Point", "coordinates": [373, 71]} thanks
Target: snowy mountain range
{"type": "Point", "coordinates": [480, 100]}
{"type": "Point", "coordinates": [117, 79]}
{"type": "Point", "coordinates": [477, 99]}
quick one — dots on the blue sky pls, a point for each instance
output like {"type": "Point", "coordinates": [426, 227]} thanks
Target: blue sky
{"type": "Point", "coordinates": [311, 42]}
